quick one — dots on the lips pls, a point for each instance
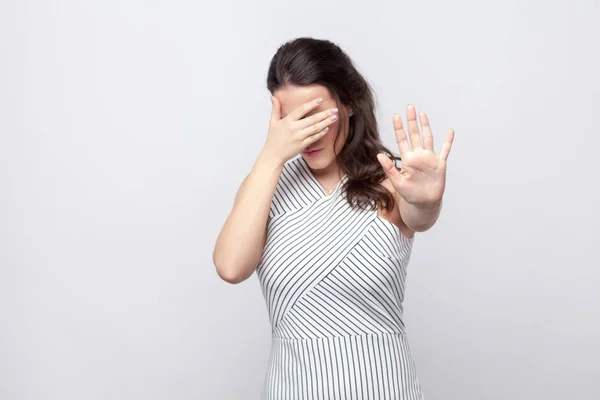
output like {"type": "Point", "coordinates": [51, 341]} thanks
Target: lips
{"type": "Point", "coordinates": [312, 153]}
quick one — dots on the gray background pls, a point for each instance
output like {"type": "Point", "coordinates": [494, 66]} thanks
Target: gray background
{"type": "Point", "coordinates": [127, 126]}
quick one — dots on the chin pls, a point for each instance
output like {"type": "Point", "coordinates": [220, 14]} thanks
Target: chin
{"type": "Point", "coordinates": [317, 162]}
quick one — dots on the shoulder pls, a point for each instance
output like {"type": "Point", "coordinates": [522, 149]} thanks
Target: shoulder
{"type": "Point", "coordinates": [293, 165]}
{"type": "Point", "coordinates": [290, 170]}
{"type": "Point", "coordinates": [393, 215]}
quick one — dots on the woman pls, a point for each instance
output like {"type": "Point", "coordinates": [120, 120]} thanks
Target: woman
{"type": "Point", "coordinates": [327, 221]}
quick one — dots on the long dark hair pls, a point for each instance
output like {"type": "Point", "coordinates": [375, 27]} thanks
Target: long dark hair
{"type": "Point", "coordinates": [307, 61]}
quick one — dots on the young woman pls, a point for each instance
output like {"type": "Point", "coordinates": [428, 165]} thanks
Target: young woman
{"type": "Point", "coordinates": [327, 221]}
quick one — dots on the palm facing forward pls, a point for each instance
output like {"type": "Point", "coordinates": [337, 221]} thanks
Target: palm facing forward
{"type": "Point", "coordinates": [422, 179]}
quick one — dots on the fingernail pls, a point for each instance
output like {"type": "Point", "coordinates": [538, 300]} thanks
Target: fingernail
{"type": "Point", "coordinates": [319, 100]}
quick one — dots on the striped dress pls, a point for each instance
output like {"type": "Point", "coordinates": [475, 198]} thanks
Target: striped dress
{"type": "Point", "coordinates": [333, 280]}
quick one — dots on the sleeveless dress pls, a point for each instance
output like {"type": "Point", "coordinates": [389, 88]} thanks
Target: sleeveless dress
{"type": "Point", "coordinates": [333, 280]}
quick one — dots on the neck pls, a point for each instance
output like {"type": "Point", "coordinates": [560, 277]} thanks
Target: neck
{"type": "Point", "coordinates": [330, 172]}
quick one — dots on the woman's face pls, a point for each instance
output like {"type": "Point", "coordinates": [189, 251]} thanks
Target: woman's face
{"type": "Point", "coordinates": [292, 97]}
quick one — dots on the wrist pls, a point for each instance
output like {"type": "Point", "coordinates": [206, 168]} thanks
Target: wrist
{"type": "Point", "coordinates": [269, 159]}
{"type": "Point", "coordinates": [430, 207]}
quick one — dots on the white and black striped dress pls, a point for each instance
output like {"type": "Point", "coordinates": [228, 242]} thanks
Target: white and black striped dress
{"type": "Point", "coordinates": [333, 281]}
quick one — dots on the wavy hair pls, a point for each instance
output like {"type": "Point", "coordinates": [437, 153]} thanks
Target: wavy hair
{"type": "Point", "coordinates": [308, 61]}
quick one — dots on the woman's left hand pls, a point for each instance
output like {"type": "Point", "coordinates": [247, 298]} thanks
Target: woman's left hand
{"type": "Point", "coordinates": [422, 179]}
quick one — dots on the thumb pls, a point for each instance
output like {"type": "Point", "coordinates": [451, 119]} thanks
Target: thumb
{"type": "Point", "coordinates": [275, 110]}
{"type": "Point", "coordinates": [396, 178]}
{"type": "Point", "coordinates": [389, 167]}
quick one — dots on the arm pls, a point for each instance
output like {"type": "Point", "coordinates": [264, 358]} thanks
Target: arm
{"type": "Point", "coordinates": [240, 243]}
{"type": "Point", "coordinates": [421, 181]}
{"type": "Point", "coordinates": [419, 219]}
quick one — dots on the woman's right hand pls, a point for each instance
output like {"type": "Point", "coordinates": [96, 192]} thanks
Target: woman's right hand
{"type": "Point", "coordinates": [291, 135]}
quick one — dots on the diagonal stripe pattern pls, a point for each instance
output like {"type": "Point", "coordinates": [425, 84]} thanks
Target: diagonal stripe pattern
{"type": "Point", "coordinates": [333, 280]}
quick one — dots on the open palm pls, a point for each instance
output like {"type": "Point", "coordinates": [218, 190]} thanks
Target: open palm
{"type": "Point", "coordinates": [422, 179]}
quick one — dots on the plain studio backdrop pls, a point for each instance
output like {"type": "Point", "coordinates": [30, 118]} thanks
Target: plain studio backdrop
{"type": "Point", "coordinates": [127, 126]}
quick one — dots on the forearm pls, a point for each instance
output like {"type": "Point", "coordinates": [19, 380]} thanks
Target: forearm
{"type": "Point", "coordinates": [240, 243]}
{"type": "Point", "coordinates": [419, 218]}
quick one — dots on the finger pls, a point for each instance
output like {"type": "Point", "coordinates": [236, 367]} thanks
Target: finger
{"type": "Point", "coordinates": [427, 134]}
{"type": "Point", "coordinates": [316, 118]}
{"type": "Point", "coordinates": [302, 110]}
{"type": "Point", "coordinates": [311, 130]}
{"type": "Point", "coordinates": [401, 139]}
{"type": "Point", "coordinates": [447, 145]}
{"type": "Point", "coordinates": [275, 109]}
{"type": "Point", "coordinates": [413, 127]}
{"type": "Point", "coordinates": [389, 168]}
{"type": "Point", "coordinates": [313, 138]}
